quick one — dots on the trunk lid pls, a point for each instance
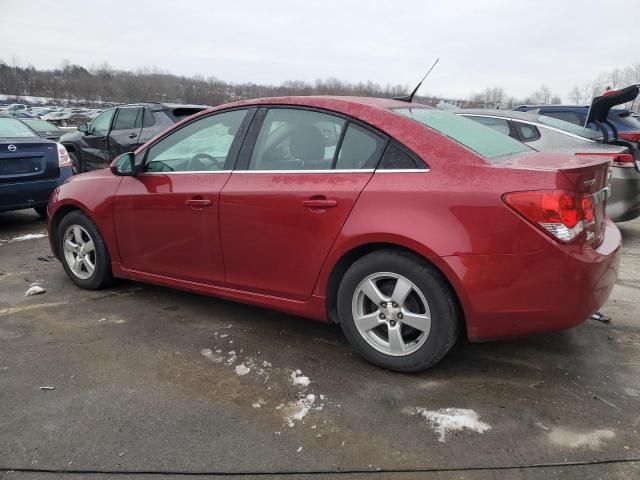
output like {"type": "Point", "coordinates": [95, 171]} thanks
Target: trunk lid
{"type": "Point", "coordinates": [600, 106]}
{"type": "Point", "coordinates": [24, 160]}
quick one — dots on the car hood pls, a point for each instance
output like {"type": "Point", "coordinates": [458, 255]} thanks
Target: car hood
{"type": "Point", "coordinates": [600, 106]}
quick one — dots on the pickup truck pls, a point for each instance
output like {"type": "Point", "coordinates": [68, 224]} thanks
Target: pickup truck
{"type": "Point", "coordinates": [120, 129]}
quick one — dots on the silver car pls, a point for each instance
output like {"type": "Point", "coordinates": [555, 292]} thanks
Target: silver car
{"type": "Point", "coordinates": [549, 134]}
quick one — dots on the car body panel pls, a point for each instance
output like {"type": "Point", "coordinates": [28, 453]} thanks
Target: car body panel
{"type": "Point", "coordinates": [452, 215]}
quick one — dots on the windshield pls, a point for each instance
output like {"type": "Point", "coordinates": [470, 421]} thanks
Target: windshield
{"type": "Point", "coordinates": [11, 128]}
{"type": "Point", "coordinates": [569, 127]}
{"type": "Point", "coordinates": [483, 140]}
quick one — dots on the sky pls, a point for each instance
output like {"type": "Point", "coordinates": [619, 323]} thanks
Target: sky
{"type": "Point", "coordinates": [517, 45]}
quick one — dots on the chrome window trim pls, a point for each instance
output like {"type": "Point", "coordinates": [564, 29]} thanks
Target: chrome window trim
{"type": "Point", "coordinates": [187, 172]}
{"type": "Point", "coordinates": [403, 170]}
{"type": "Point", "coordinates": [367, 170]}
{"type": "Point", "coordinates": [527, 122]}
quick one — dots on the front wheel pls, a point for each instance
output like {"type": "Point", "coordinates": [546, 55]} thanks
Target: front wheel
{"type": "Point", "coordinates": [83, 252]}
{"type": "Point", "coordinates": [397, 311]}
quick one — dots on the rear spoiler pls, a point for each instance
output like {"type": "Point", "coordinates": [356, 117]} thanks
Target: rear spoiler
{"type": "Point", "coordinates": [602, 105]}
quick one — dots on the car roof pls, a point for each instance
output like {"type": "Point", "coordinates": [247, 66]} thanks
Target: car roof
{"type": "Point", "coordinates": [157, 106]}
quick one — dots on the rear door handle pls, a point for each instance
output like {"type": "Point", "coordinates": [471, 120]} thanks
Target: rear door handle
{"type": "Point", "coordinates": [133, 135]}
{"type": "Point", "coordinates": [319, 203]}
{"type": "Point", "coordinates": [198, 203]}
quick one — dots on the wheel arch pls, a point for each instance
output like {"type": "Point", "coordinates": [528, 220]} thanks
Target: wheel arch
{"type": "Point", "coordinates": [356, 252]}
{"type": "Point", "coordinates": [57, 217]}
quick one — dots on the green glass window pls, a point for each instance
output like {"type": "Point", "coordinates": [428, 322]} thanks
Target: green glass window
{"type": "Point", "coordinates": [483, 140]}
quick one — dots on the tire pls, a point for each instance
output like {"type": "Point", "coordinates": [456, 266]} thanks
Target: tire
{"type": "Point", "coordinates": [76, 163]}
{"type": "Point", "coordinates": [430, 305]}
{"type": "Point", "coordinates": [94, 270]}
{"type": "Point", "coordinates": [42, 211]}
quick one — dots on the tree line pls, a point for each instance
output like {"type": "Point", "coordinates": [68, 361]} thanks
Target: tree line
{"type": "Point", "coordinates": [102, 84]}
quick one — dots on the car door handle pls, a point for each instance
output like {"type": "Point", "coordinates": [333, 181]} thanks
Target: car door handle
{"type": "Point", "coordinates": [320, 203]}
{"type": "Point", "coordinates": [198, 203]}
{"type": "Point", "coordinates": [133, 135]}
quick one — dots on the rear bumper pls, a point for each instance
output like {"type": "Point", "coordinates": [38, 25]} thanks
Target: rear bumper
{"type": "Point", "coordinates": [624, 202]}
{"type": "Point", "coordinates": [29, 194]}
{"type": "Point", "coordinates": [554, 289]}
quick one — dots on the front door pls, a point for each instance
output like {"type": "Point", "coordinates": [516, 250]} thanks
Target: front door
{"type": "Point", "coordinates": [166, 218]}
{"type": "Point", "coordinates": [125, 132]}
{"type": "Point", "coordinates": [95, 141]}
{"type": "Point", "coordinates": [282, 210]}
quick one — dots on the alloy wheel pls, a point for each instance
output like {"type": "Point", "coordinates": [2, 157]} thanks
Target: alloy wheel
{"type": "Point", "coordinates": [391, 313]}
{"type": "Point", "coordinates": [79, 251]}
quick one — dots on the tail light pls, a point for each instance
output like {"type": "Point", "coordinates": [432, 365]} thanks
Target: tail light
{"type": "Point", "coordinates": [630, 136]}
{"type": "Point", "coordinates": [623, 160]}
{"type": "Point", "coordinates": [562, 215]}
{"type": "Point", "coordinates": [63, 156]}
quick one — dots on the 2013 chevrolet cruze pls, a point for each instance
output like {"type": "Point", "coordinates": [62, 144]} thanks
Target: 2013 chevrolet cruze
{"type": "Point", "coordinates": [403, 223]}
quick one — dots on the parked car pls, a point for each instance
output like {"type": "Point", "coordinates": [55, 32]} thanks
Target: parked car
{"type": "Point", "coordinates": [403, 223]}
{"type": "Point", "coordinates": [30, 167]}
{"type": "Point", "coordinates": [19, 114]}
{"type": "Point", "coordinates": [44, 129]}
{"type": "Point", "coordinates": [548, 134]}
{"type": "Point", "coordinates": [612, 122]}
{"type": "Point", "coordinates": [65, 119]}
{"type": "Point", "coordinates": [121, 129]}
{"type": "Point", "coordinates": [15, 107]}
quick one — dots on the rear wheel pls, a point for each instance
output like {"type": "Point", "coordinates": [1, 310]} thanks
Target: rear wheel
{"type": "Point", "coordinates": [397, 311]}
{"type": "Point", "coordinates": [83, 252]}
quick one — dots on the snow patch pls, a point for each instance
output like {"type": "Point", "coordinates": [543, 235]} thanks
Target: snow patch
{"type": "Point", "coordinates": [34, 290]}
{"type": "Point", "coordinates": [297, 410]}
{"type": "Point", "coordinates": [28, 236]}
{"type": "Point", "coordinates": [207, 353]}
{"type": "Point", "coordinates": [446, 420]}
{"type": "Point", "coordinates": [567, 438]}
{"type": "Point", "coordinates": [298, 379]}
{"type": "Point", "coordinates": [242, 369]}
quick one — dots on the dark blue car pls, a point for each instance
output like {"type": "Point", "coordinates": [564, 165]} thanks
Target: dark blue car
{"type": "Point", "coordinates": [599, 116]}
{"type": "Point", "coordinates": [31, 167]}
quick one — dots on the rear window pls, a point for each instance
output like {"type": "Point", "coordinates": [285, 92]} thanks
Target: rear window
{"type": "Point", "coordinates": [11, 128]}
{"type": "Point", "coordinates": [483, 140]}
{"type": "Point", "coordinates": [569, 127]}
{"type": "Point", "coordinates": [625, 121]}
{"type": "Point", "coordinates": [41, 125]}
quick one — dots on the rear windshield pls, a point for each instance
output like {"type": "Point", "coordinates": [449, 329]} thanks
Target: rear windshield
{"type": "Point", "coordinates": [483, 140]}
{"type": "Point", "coordinates": [626, 121]}
{"type": "Point", "coordinates": [11, 128]}
{"type": "Point", "coordinates": [569, 127]}
{"type": "Point", "coordinates": [41, 125]}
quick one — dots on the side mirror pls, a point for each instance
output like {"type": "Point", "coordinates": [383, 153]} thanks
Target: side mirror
{"type": "Point", "coordinates": [83, 127]}
{"type": "Point", "coordinates": [124, 165]}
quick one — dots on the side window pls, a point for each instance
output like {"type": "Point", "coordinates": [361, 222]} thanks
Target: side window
{"type": "Point", "coordinates": [292, 139]}
{"type": "Point", "coordinates": [147, 118]}
{"type": "Point", "coordinates": [101, 124]}
{"type": "Point", "coordinates": [395, 158]}
{"type": "Point", "coordinates": [528, 133]}
{"type": "Point", "coordinates": [202, 145]}
{"type": "Point", "coordinates": [127, 118]}
{"type": "Point", "coordinates": [498, 124]}
{"type": "Point", "coordinates": [360, 149]}
{"type": "Point", "coordinates": [571, 117]}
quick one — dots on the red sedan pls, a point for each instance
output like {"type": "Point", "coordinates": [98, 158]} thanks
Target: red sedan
{"type": "Point", "coordinates": [403, 223]}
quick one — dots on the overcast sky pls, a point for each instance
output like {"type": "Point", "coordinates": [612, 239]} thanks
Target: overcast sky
{"type": "Point", "coordinates": [514, 44]}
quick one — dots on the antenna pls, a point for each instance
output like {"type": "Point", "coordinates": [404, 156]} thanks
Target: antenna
{"type": "Point", "coordinates": [409, 98]}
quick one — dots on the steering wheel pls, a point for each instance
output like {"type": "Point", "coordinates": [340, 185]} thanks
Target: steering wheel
{"type": "Point", "coordinates": [197, 161]}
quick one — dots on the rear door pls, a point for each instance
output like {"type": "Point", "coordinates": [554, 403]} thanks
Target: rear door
{"type": "Point", "coordinates": [166, 218]}
{"type": "Point", "coordinates": [299, 175]}
{"type": "Point", "coordinates": [125, 132]}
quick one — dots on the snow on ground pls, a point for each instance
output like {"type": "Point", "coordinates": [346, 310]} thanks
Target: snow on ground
{"type": "Point", "coordinates": [295, 411]}
{"type": "Point", "coordinates": [447, 420]}
{"type": "Point", "coordinates": [28, 236]}
{"type": "Point", "coordinates": [242, 369]}
{"type": "Point", "coordinates": [567, 438]}
{"type": "Point", "coordinates": [34, 290]}
{"type": "Point", "coordinates": [298, 379]}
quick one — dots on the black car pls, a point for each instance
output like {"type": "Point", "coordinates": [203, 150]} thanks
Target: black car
{"type": "Point", "coordinates": [121, 129]}
{"type": "Point", "coordinates": [44, 129]}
